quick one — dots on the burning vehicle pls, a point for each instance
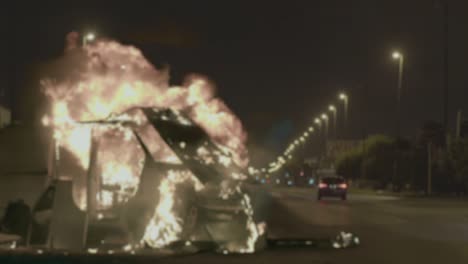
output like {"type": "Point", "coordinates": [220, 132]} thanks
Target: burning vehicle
{"type": "Point", "coordinates": [124, 213]}
{"type": "Point", "coordinates": [136, 163]}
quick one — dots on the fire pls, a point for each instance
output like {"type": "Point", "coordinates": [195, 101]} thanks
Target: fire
{"type": "Point", "coordinates": [105, 88]}
{"type": "Point", "coordinates": [251, 226]}
{"type": "Point", "coordinates": [111, 78]}
{"type": "Point", "coordinates": [165, 227]}
{"type": "Point", "coordinates": [119, 170]}
{"type": "Point", "coordinates": [78, 140]}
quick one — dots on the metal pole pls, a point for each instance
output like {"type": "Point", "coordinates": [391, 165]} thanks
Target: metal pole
{"type": "Point", "coordinates": [90, 188]}
{"type": "Point", "coordinates": [346, 112]}
{"type": "Point", "coordinates": [400, 79]}
{"type": "Point", "coordinates": [429, 168]}
{"type": "Point", "coordinates": [319, 125]}
{"type": "Point", "coordinates": [459, 118]}
{"type": "Point", "coordinates": [397, 125]}
{"type": "Point", "coordinates": [326, 128]}
{"type": "Point", "coordinates": [334, 123]}
{"type": "Point", "coordinates": [445, 37]}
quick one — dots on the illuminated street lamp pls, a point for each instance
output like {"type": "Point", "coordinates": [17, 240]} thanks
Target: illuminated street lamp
{"type": "Point", "coordinates": [319, 124]}
{"type": "Point", "coordinates": [398, 56]}
{"type": "Point", "coordinates": [302, 139]}
{"type": "Point", "coordinates": [311, 129]}
{"type": "Point", "coordinates": [325, 118]}
{"type": "Point", "coordinates": [345, 99]}
{"type": "Point", "coordinates": [306, 134]}
{"type": "Point", "coordinates": [332, 109]}
{"type": "Point", "coordinates": [88, 37]}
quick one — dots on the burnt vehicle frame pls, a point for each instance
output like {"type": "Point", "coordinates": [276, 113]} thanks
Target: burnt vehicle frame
{"type": "Point", "coordinates": [207, 217]}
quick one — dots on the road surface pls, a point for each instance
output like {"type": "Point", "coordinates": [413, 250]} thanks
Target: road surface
{"type": "Point", "coordinates": [391, 230]}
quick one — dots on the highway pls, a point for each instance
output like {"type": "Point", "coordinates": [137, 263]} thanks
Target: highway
{"type": "Point", "coordinates": [391, 230]}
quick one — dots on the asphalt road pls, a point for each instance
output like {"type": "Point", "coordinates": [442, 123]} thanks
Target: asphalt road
{"type": "Point", "coordinates": [391, 230]}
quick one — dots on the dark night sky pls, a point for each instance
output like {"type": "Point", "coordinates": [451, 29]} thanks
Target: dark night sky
{"type": "Point", "coordinates": [278, 63]}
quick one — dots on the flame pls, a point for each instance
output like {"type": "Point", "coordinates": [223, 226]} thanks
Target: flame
{"type": "Point", "coordinates": [111, 78]}
{"type": "Point", "coordinates": [106, 87]}
{"type": "Point", "coordinates": [251, 226]}
{"type": "Point", "coordinates": [165, 227]}
{"type": "Point", "coordinates": [219, 122]}
{"type": "Point", "coordinates": [120, 162]}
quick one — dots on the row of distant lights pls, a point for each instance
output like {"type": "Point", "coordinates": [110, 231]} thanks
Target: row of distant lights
{"type": "Point", "coordinates": [305, 136]}
{"type": "Point", "coordinates": [276, 165]}
{"type": "Point", "coordinates": [278, 181]}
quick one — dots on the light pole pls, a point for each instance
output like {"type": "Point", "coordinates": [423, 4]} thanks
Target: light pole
{"type": "Point", "coordinates": [345, 99]}
{"type": "Point", "coordinates": [318, 122]}
{"type": "Point", "coordinates": [88, 37]}
{"type": "Point", "coordinates": [398, 56]}
{"type": "Point", "coordinates": [319, 125]}
{"type": "Point", "coordinates": [325, 119]}
{"type": "Point", "coordinates": [332, 109]}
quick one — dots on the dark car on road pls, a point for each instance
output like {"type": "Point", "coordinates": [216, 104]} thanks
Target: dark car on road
{"type": "Point", "coordinates": [332, 186]}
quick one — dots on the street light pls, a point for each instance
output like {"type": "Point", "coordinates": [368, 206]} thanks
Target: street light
{"type": "Point", "coordinates": [345, 99]}
{"type": "Point", "coordinates": [319, 125]}
{"type": "Point", "coordinates": [325, 118]}
{"type": "Point", "coordinates": [398, 56]}
{"type": "Point", "coordinates": [311, 129]}
{"type": "Point", "coordinates": [332, 109]}
{"type": "Point", "coordinates": [88, 37]}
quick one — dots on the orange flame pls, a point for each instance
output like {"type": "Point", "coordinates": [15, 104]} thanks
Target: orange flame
{"type": "Point", "coordinates": [118, 77]}
{"type": "Point", "coordinates": [165, 227]}
{"type": "Point", "coordinates": [115, 78]}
